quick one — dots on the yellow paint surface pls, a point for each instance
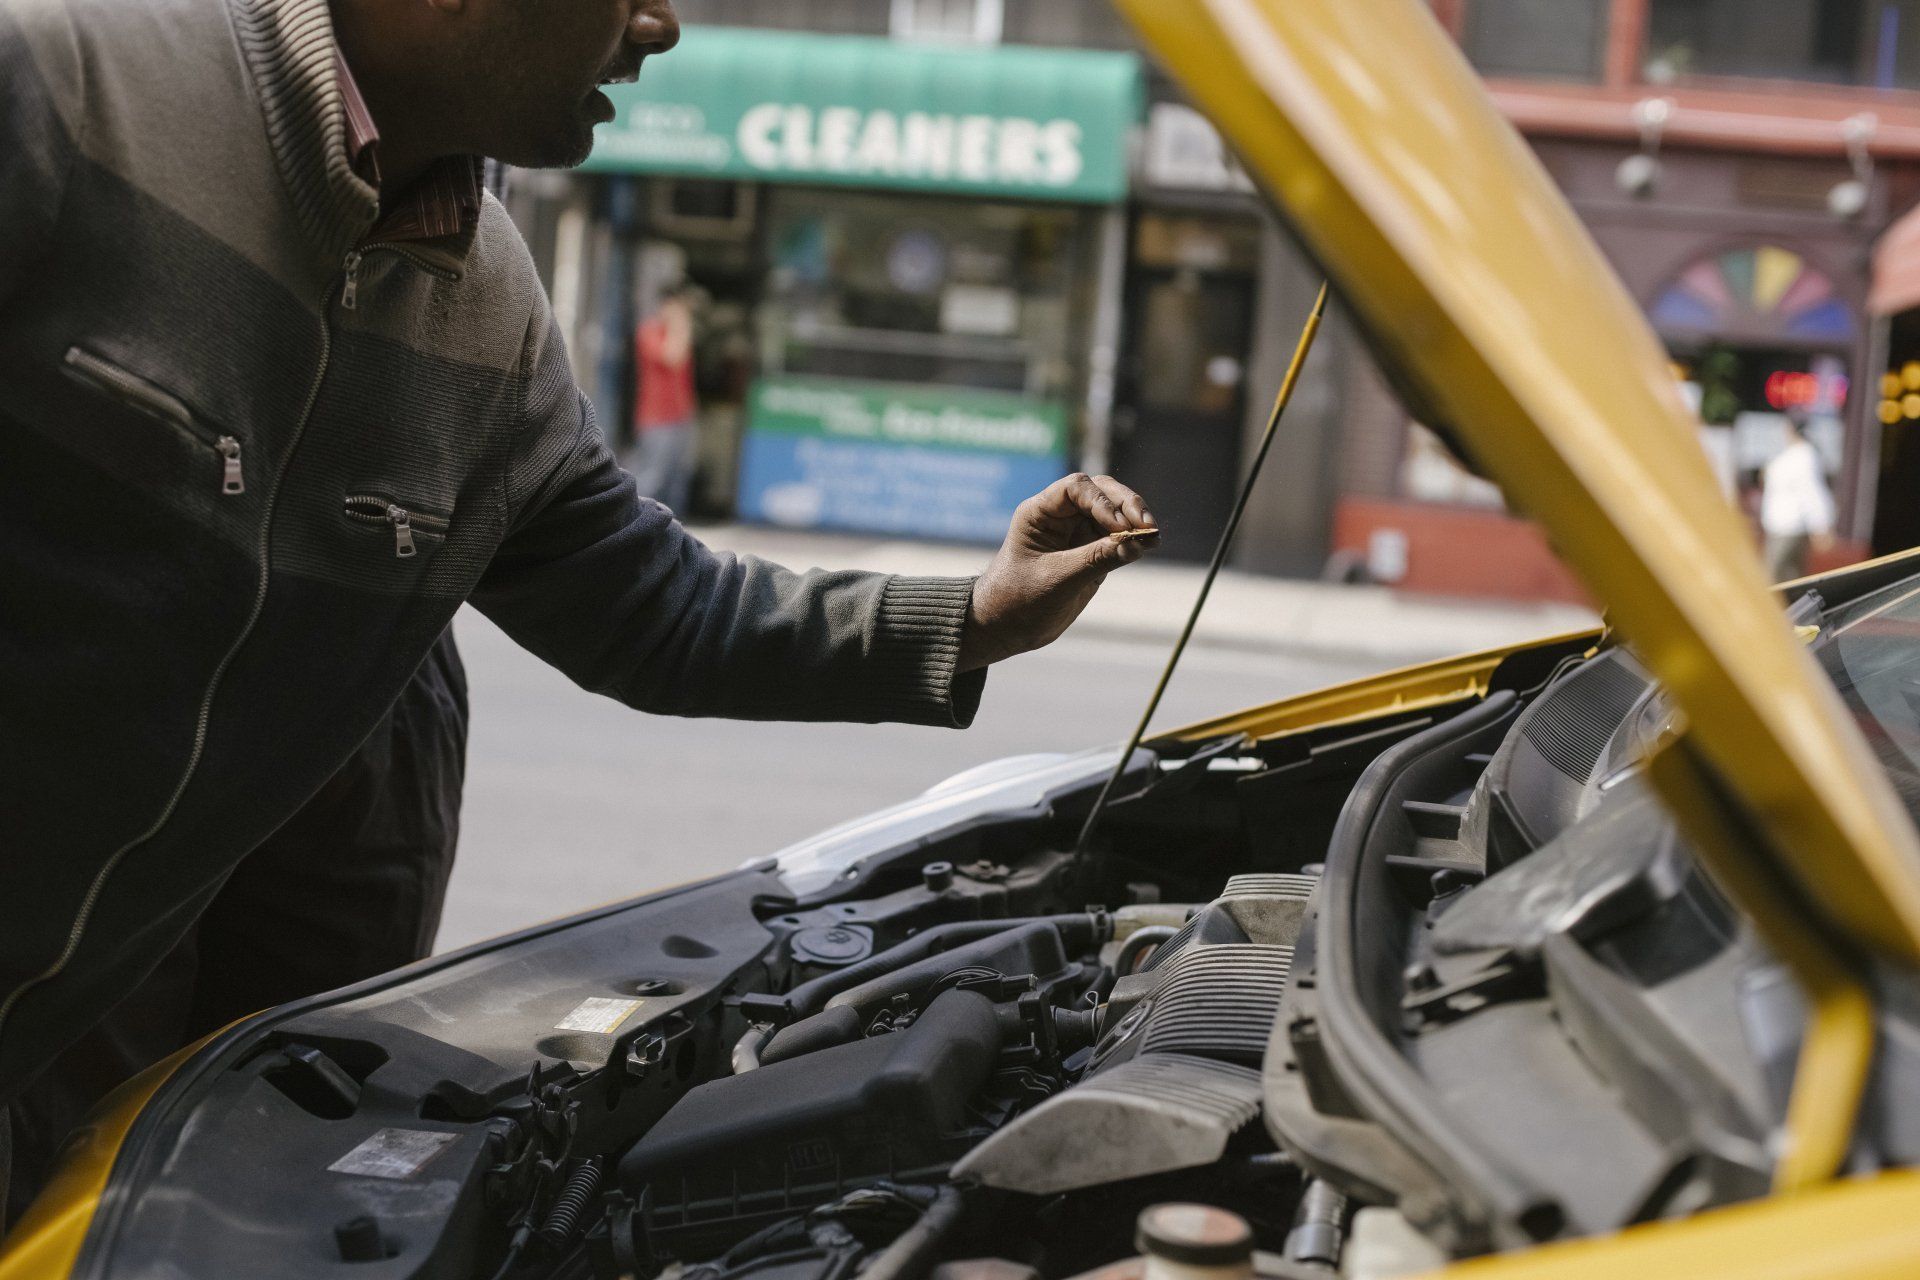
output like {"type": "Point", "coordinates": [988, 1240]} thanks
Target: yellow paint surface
{"type": "Point", "coordinates": [1857, 1229]}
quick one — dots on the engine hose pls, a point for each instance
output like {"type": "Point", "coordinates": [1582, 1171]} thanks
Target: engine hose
{"type": "Point", "coordinates": [907, 1257]}
{"type": "Point", "coordinates": [1077, 930]}
{"type": "Point", "coordinates": [809, 997]}
{"type": "Point", "coordinates": [1138, 942]}
{"type": "Point", "coordinates": [1039, 947]}
{"type": "Point", "coordinates": [746, 1051]}
{"type": "Point", "coordinates": [804, 1001]}
{"type": "Point", "coordinates": [564, 1218]}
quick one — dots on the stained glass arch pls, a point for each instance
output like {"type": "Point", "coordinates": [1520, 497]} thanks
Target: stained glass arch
{"type": "Point", "coordinates": [1755, 289]}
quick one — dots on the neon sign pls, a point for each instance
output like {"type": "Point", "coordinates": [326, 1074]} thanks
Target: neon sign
{"type": "Point", "coordinates": [1817, 392]}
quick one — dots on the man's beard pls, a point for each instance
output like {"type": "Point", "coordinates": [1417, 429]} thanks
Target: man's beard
{"type": "Point", "coordinates": [537, 131]}
{"type": "Point", "coordinates": [563, 145]}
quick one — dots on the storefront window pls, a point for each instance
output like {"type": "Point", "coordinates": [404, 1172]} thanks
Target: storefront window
{"type": "Point", "coordinates": [1856, 42]}
{"type": "Point", "coordinates": [917, 372]}
{"type": "Point", "coordinates": [1747, 396]}
{"type": "Point", "coordinates": [899, 289]}
{"type": "Point", "coordinates": [1557, 39]}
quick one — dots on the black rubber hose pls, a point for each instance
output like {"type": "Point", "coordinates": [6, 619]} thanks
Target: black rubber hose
{"type": "Point", "coordinates": [1139, 940]}
{"type": "Point", "coordinates": [810, 997]}
{"type": "Point", "coordinates": [746, 1053]}
{"type": "Point", "coordinates": [806, 1000]}
{"type": "Point", "coordinates": [1012, 951]}
{"type": "Point", "coordinates": [907, 1258]}
{"type": "Point", "coordinates": [821, 1031]}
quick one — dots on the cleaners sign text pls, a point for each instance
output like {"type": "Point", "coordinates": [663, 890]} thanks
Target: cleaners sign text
{"type": "Point", "coordinates": [783, 106]}
{"type": "Point", "coordinates": [1004, 151]}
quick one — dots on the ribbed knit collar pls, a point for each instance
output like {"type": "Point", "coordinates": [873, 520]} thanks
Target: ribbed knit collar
{"type": "Point", "coordinates": [289, 48]}
{"type": "Point", "coordinates": [442, 203]}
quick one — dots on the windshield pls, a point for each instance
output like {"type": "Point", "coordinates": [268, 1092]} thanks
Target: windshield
{"type": "Point", "coordinates": [1870, 649]}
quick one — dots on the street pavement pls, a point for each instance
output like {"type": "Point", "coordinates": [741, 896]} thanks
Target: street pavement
{"type": "Point", "coordinates": [573, 800]}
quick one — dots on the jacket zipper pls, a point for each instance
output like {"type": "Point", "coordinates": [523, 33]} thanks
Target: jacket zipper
{"type": "Point", "coordinates": [350, 290]}
{"type": "Point", "coordinates": [137, 393]}
{"type": "Point", "coordinates": [361, 506]}
{"type": "Point", "coordinates": [263, 547]}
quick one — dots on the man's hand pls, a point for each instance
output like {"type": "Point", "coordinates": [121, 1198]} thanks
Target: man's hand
{"type": "Point", "coordinates": [1055, 557]}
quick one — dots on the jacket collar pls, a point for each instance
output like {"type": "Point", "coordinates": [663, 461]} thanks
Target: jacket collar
{"type": "Point", "coordinates": [290, 51]}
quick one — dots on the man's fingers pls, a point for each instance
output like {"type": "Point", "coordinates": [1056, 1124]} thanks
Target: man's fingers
{"type": "Point", "coordinates": [1054, 500]}
{"type": "Point", "coordinates": [1089, 498]}
{"type": "Point", "coordinates": [1103, 555]}
{"type": "Point", "coordinates": [1101, 498]}
{"type": "Point", "coordinates": [1126, 501]}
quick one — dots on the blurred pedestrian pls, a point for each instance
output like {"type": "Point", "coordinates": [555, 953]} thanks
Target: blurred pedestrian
{"type": "Point", "coordinates": [1796, 507]}
{"type": "Point", "coordinates": [666, 410]}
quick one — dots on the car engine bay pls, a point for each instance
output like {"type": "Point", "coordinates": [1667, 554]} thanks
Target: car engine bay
{"type": "Point", "coordinates": [1434, 982]}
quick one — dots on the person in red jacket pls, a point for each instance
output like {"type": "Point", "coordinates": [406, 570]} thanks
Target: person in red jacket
{"type": "Point", "coordinates": [666, 410]}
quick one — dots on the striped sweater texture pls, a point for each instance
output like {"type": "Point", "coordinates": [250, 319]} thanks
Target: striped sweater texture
{"type": "Point", "coordinates": [248, 472]}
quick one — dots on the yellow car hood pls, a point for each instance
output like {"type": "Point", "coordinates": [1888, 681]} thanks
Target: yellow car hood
{"type": "Point", "coordinates": [1494, 311]}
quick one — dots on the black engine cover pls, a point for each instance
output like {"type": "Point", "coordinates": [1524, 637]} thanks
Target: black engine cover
{"type": "Point", "coordinates": [797, 1132]}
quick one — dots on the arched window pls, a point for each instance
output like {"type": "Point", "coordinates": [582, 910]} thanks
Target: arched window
{"type": "Point", "coordinates": [1754, 293]}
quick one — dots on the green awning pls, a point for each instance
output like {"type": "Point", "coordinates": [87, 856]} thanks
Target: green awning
{"type": "Point", "coordinates": [861, 111]}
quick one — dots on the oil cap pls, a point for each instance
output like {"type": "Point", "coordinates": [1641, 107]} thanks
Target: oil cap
{"type": "Point", "coordinates": [832, 945]}
{"type": "Point", "coordinates": [1194, 1235]}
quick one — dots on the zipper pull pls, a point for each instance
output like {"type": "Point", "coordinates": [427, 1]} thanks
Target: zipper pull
{"type": "Point", "coordinates": [231, 478]}
{"type": "Point", "coordinates": [350, 292]}
{"type": "Point", "coordinates": [402, 531]}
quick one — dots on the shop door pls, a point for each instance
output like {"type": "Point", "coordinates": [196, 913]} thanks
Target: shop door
{"type": "Point", "coordinates": [1182, 400]}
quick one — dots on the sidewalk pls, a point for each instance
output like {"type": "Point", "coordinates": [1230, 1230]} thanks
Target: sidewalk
{"type": "Point", "coordinates": [1149, 601]}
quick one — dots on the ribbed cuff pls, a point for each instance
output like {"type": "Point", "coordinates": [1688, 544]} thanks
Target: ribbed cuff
{"type": "Point", "coordinates": [911, 676]}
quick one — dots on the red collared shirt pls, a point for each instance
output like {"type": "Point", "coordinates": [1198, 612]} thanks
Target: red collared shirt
{"type": "Point", "coordinates": [445, 200]}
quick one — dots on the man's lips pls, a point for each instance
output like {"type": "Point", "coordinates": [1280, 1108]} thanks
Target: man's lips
{"type": "Point", "coordinates": [625, 76]}
{"type": "Point", "coordinates": [601, 104]}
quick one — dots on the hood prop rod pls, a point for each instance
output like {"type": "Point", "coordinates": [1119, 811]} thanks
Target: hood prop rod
{"type": "Point", "coordinates": [1300, 350]}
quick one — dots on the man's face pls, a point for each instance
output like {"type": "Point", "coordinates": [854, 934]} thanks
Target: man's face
{"type": "Point", "coordinates": [533, 69]}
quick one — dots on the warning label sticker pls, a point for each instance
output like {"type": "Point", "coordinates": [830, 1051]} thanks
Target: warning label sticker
{"type": "Point", "coordinates": [602, 1014]}
{"type": "Point", "coordinates": [393, 1153]}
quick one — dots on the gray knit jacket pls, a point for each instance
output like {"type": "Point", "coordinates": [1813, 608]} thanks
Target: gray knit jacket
{"type": "Point", "coordinates": [235, 511]}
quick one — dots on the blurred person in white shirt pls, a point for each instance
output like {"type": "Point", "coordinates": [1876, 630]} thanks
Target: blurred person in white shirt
{"type": "Point", "coordinates": [1796, 507]}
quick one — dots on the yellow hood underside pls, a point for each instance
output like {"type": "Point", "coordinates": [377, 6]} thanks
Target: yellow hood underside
{"type": "Point", "coordinates": [1488, 301]}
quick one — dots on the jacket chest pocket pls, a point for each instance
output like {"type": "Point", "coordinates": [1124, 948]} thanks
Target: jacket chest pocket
{"type": "Point", "coordinates": [225, 464]}
{"type": "Point", "coordinates": [409, 529]}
